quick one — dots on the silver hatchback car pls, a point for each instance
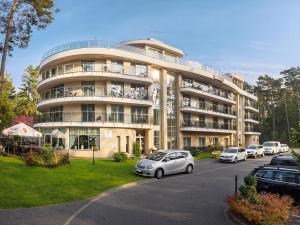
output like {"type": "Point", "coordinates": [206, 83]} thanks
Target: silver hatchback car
{"type": "Point", "coordinates": [164, 162]}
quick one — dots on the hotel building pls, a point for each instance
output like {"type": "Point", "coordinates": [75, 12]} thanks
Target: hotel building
{"type": "Point", "coordinates": [95, 95]}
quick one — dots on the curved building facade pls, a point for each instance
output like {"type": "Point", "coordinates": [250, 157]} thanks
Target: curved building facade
{"type": "Point", "coordinates": [94, 95]}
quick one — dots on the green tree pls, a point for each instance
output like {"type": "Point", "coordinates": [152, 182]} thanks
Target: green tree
{"type": "Point", "coordinates": [7, 103]}
{"type": "Point", "coordinates": [28, 97]}
{"type": "Point", "coordinates": [17, 18]}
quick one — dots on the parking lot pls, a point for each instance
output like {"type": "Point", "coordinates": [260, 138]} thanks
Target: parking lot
{"type": "Point", "coordinates": [197, 198]}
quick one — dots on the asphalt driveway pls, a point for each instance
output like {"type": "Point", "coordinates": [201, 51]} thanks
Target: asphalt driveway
{"type": "Point", "coordinates": [179, 199]}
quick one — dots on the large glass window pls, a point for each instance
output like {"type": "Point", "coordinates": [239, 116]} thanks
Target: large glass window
{"type": "Point", "coordinates": [186, 119]}
{"type": "Point", "coordinates": [55, 114]}
{"type": "Point", "coordinates": [201, 103]}
{"type": "Point", "coordinates": [215, 122]}
{"type": "Point", "coordinates": [117, 67]}
{"type": "Point", "coordinates": [117, 89]}
{"type": "Point", "coordinates": [186, 142]}
{"type": "Point", "coordinates": [88, 88]}
{"type": "Point", "coordinates": [201, 120]}
{"type": "Point", "coordinates": [88, 66]}
{"type": "Point", "coordinates": [88, 113]}
{"type": "Point", "coordinates": [156, 137]}
{"type": "Point", "coordinates": [186, 101]}
{"type": "Point", "coordinates": [171, 111]}
{"type": "Point", "coordinates": [202, 141]}
{"type": "Point", "coordinates": [138, 91]}
{"type": "Point", "coordinates": [139, 70]}
{"type": "Point", "coordinates": [117, 114]}
{"type": "Point", "coordinates": [84, 138]}
{"type": "Point", "coordinates": [139, 114]}
{"type": "Point", "coordinates": [57, 142]}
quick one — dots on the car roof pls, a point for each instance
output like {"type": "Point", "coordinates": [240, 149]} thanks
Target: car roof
{"type": "Point", "coordinates": [284, 157]}
{"type": "Point", "coordinates": [175, 150]}
{"type": "Point", "coordinates": [280, 167]}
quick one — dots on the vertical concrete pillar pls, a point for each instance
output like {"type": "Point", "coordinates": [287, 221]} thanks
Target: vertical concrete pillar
{"type": "Point", "coordinates": [67, 138]}
{"type": "Point", "coordinates": [126, 67]}
{"type": "Point", "coordinates": [148, 141]}
{"type": "Point", "coordinates": [163, 109]}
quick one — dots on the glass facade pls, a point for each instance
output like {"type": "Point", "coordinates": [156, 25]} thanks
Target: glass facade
{"type": "Point", "coordinates": [171, 111]}
{"type": "Point", "coordinates": [84, 138]}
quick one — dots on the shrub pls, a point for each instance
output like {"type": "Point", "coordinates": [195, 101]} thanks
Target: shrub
{"type": "Point", "coordinates": [137, 151]}
{"type": "Point", "coordinates": [248, 190]}
{"type": "Point", "coordinates": [272, 209]}
{"type": "Point", "coordinates": [120, 156]}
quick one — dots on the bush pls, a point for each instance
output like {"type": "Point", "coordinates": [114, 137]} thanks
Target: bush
{"type": "Point", "coordinates": [137, 151]}
{"type": "Point", "coordinates": [248, 190]}
{"type": "Point", "coordinates": [272, 209]}
{"type": "Point", "coordinates": [120, 156]}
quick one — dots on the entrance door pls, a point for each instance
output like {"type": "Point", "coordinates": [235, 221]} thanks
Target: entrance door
{"type": "Point", "coordinates": [140, 138]}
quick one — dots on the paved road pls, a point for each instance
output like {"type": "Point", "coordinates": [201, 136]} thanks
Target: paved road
{"type": "Point", "coordinates": [194, 199]}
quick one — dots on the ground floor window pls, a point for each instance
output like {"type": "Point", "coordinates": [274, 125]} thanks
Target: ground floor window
{"type": "Point", "coordinates": [226, 142]}
{"type": "Point", "coordinates": [50, 138]}
{"type": "Point", "coordinates": [84, 138]}
{"type": "Point", "coordinates": [156, 137]}
{"type": "Point", "coordinates": [186, 141]}
{"type": "Point", "coordinates": [215, 141]}
{"type": "Point", "coordinates": [202, 141]}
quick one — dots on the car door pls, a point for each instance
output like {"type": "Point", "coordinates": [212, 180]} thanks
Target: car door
{"type": "Point", "coordinates": [265, 181]}
{"type": "Point", "coordinates": [241, 153]}
{"type": "Point", "coordinates": [181, 161]}
{"type": "Point", "coordinates": [170, 163]}
{"type": "Point", "coordinates": [288, 183]}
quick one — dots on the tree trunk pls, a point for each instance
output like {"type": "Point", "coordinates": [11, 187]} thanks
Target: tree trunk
{"type": "Point", "coordinates": [287, 119]}
{"type": "Point", "coordinates": [6, 43]}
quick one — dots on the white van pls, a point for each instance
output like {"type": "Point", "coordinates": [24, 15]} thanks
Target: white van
{"type": "Point", "coordinates": [272, 147]}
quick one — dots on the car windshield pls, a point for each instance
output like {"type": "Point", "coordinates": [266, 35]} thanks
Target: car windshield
{"type": "Point", "coordinates": [252, 147]}
{"type": "Point", "coordinates": [268, 144]}
{"type": "Point", "coordinates": [157, 156]}
{"type": "Point", "coordinates": [230, 150]}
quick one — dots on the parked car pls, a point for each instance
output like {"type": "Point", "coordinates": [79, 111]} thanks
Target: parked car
{"type": "Point", "coordinates": [284, 148]}
{"type": "Point", "coordinates": [283, 160]}
{"type": "Point", "coordinates": [272, 147]}
{"type": "Point", "coordinates": [255, 151]}
{"type": "Point", "coordinates": [280, 180]}
{"type": "Point", "coordinates": [165, 162]}
{"type": "Point", "coordinates": [233, 154]}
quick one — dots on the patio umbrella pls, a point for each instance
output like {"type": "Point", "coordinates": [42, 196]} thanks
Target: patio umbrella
{"type": "Point", "coordinates": [22, 130]}
{"type": "Point", "coordinates": [58, 134]}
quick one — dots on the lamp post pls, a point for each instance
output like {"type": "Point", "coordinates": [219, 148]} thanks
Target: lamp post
{"type": "Point", "coordinates": [93, 155]}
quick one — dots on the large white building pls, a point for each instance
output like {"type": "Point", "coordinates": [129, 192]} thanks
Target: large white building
{"type": "Point", "coordinates": [108, 97]}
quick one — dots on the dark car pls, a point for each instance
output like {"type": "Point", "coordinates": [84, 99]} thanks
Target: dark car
{"type": "Point", "coordinates": [279, 180]}
{"type": "Point", "coordinates": [283, 160]}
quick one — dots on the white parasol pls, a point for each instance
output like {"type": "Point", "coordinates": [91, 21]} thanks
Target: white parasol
{"type": "Point", "coordinates": [22, 130]}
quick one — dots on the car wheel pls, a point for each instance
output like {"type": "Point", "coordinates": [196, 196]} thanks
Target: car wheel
{"type": "Point", "coordinates": [159, 173]}
{"type": "Point", "coordinates": [235, 160]}
{"type": "Point", "coordinates": [189, 169]}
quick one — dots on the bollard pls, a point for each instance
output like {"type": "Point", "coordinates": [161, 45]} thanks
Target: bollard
{"type": "Point", "coordinates": [236, 184]}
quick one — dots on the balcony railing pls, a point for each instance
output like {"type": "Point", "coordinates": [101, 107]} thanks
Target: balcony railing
{"type": "Point", "coordinates": [100, 68]}
{"type": "Point", "coordinates": [209, 107]}
{"type": "Point", "coordinates": [204, 88]}
{"type": "Point", "coordinates": [252, 129]}
{"type": "Point", "coordinates": [207, 125]}
{"type": "Point", "coordinates": [252, 117]}
{"type": "Point", "coordinates": [90, 91]}
{"type": "Point", "coordinates": [92, 116]}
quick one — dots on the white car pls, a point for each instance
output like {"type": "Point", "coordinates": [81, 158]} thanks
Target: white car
{"type": "Point", "coordinates": [284, 148]}
{"type": "Point", "coordinates": [255, 151]}
{"type": "Point", "coordinates": [233, 154]}
{"type": "Point", "coordinates": [272, 147]}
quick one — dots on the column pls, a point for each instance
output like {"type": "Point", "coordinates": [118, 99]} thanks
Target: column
{"type": "Point", "coordinates": [163, 110]}
{"type": "Point", "coordinates": [179, 114]}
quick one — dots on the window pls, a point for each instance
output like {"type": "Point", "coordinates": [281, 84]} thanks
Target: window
{"type": "Point", "coordinates": [172, 156]}
{"type": "Point", "coordinates": [226, 141]}
{"type": "Point", "coordinates": [215, 141]}
{"type": "Point", "coordinates": [266, 174]}
{"type": "Point", "coordinates": [88, 66]}
{"type": "Point", "coordinates": [225, 124]}
{"type": "Point", "coordinates": [171, 111]}
{"type": "Point", "coordinates": [88, 113]}
{"type": "Point", "coordinates": [202, 142]}
{"type": "Point", "coordinates": [84, 138]}
{"type": "Point", "coordinates": [117, 89]}
{"type": "Point", "coordinates": [139, 114]}
{"type": "Point", "coordinates": [156, 116]}
{"type": "Point", "coordinates": [154, 53]}
{"type": "Point", "coordinates": [186, 119]}
{"type": "Point", "coordinates": [201, 103]}
{"type": "Point", "coordinates": [215, 123]}
{"type": "Point", "coordinates": [55, 114]}
{"type": "Point", "coordinates": [156, 137]}
{"type": "Point", "coordinates": [138, 91]}
{"type": "Point", "coordinates": [139, 70]}
{"type": "Point", "coordinates": [215, 106]}
{"type": "Point", "coordinates": [53, 72]}
{"type": "Point", "coordinates": [201, 121]}
{"type": "Point", "coordinates": [186, 141]}
{"type": "Point", "coordinates": [88, 88]}
{"type": "Point", "coordinates": [117, 114]}
{"type": "Point", "coordinates": [186, 101]}
{"type": "Point", "coordinates": [288, 177]}
{"type": "Point", "coordinates": [117, 67]}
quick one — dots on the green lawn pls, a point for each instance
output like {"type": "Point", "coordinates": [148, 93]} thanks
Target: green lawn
{"type": "Point", "coordinates": [23, 186]}
{"type": "Point", "coordinates": [202, 155]}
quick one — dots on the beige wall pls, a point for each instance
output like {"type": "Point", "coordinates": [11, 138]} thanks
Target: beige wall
{"type": "Point", "coordinates": [251, 139]}
{"type": "Point", "coordinates": [208, 138]}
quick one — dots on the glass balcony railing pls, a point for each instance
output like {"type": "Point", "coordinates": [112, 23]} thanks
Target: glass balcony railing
{"type": "Point", "coordinates": [209, 107]}
{"type": "Point", "coordinates": [92, 116]}
{"type": "Point", "coordinates": [100, 68]}
{"type": "Point", "coordinates": [252, 129]}
{"type": "Point", "coordinates": [204, 88]}
{"type": "Point", "coordinates": [251, 117]}
{"type": "Point", "coordinates": [207, 125]}
{"type": "Point", "coordinates": [90, 91]}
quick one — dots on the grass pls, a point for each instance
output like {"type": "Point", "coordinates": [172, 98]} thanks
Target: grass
{"type": "Point", "coordinates": [202, 155]}
{"type": "Point", "coordinates": [23, 186]}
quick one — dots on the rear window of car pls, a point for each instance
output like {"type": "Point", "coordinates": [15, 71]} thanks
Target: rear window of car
{"type": "Point", "coordinates": [286, 176]}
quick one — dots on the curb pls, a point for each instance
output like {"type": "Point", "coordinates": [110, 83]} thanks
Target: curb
{"type": "Point", "coordinates": [230, 216]}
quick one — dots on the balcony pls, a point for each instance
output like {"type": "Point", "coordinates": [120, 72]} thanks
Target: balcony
{"type": "Point", "coordinates": [251, 119]}
{"type": "Point", "coordinates": [252, 130]}
{"type": "Point", "coordinates": [92, 119]}
{"type": "Point", "coordinates": [208, 109]}
{"type": "Point", "coordinates": [250, 106]}
{"type": "Point", "coordinates": [193, 87]}
{"type": "Point", "coordinates": [94, 70]}
{"type": "Point", "coordinates": [115, 94]}
{"type": "Point", "coordinates": [203, 126]}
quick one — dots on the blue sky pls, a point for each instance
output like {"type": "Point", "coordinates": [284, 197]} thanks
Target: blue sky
{"type": "Point", "coordinates": [251, 37]}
